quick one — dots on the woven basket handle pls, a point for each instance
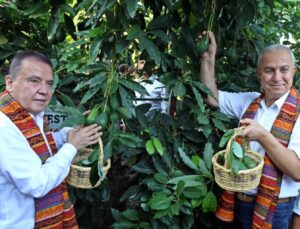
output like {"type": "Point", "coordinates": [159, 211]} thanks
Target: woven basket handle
{"type": "Point", "coordinates": [237, 132]}
{"type": "Point", "coordinates": [101, 152]}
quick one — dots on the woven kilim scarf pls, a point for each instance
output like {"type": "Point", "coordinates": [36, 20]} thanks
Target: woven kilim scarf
{"type": "Point", "coordinates": [269, 186]}
{"type": "Point", "coordinates": [54, 210]}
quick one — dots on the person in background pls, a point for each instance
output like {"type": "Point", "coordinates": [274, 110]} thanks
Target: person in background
{"type": "Point", "coordinates": [271, 121]}
{"type": "Point", "coordinates": [33, 161]}
{"type": "Point", "coordinates": [158, 95]}
{"type": "Point", "coordinates": [126, 70]}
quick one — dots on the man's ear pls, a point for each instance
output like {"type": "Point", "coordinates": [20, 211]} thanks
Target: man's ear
{"type": "Point", "coordinates": [8, 82]}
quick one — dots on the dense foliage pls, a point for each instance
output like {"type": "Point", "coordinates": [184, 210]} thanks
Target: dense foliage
{"type": "Point", "coordinates": [171, 185]}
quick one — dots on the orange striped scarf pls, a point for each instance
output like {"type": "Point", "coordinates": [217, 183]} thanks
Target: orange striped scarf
{"type": "Point", "coordinates": [54, 210]}
{"type": "Point", "coordinates": [269, 187]}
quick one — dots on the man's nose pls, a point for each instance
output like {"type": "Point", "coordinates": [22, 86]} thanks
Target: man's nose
{"type": "Point", "coordinates": [44, 88]}
{"type": "Point", "coordinates": [277, 75]}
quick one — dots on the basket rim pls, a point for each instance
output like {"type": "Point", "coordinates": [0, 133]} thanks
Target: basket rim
{"type": "Point", "coordinates": [82, 168]}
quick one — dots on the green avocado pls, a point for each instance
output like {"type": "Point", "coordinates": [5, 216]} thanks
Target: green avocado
{"type": "Point", "coordinates": [202, 45]}
{"type": "Point", "coordinates": [92, 116]}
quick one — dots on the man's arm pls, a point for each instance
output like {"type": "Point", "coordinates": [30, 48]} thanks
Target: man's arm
{"type": "Point", "coordinates": [207, 70]}
{"type": "Point", "coordinates": [284, 158]}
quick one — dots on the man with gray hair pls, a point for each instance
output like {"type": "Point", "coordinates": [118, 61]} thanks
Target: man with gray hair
{"type": "Point", "coordinates": [34, 162]}
{"type": "Point", "coordinates": [271, 124]}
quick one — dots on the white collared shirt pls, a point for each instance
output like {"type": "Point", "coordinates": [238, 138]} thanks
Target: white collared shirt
{"type": "Point", "coordinates": [156, 90]}
{"type": "Point", "coordinates": [235, 105]}
{"type": "Point", "coordinates": [22, 175]}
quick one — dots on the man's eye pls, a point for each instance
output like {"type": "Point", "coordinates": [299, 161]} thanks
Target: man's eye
{"type": "Point", "coordinates": [33, 81]}
{"type": "Point", "coordinates": [268, 71]}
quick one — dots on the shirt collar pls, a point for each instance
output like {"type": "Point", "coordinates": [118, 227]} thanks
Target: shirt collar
{"type": "Point", "coordinates": [38, 117]}
{"type": "Point", "coordinates": [278, 103]}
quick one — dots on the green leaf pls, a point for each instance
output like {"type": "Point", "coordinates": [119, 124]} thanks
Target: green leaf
{"type": "Point", "coordinates": [134, 86]}
{"type": "Point", "coordinates": [202, 118]}
{"type": "Point", "coordinates": [53, 23]}
{"type": "Point", "coordinates": [160, 201]}
{"type": "Point", "coordinates": [236, 165]}
{"type": "Point", "coordinates": [188, 221]}
{"type": "Point", "coordinates": [202, 88]}
{"type": "Point", "coordinates": [209, 203]}
{"type": "Point", "coordinates": [94, 50]}
{"type": "Point", "coordinates": [132, 6]}
{"type": "Point", "coordinates": [179, 89]}
{"type": "Point", "coordinates": [160, 164]}
{"type": "Point", "coordinates": [162, 213]}
{"type": "Point", "coordinates": [219, 124]}
{"type": "Point", "coordinates": [180, 187]}
{"type": "Point", "coordinates": [124, 112]}
{"type": "Point", "coordinates": [175, 208]}
{"type": "Point", "coordinates": [150, 147]}
{"type": "Point", "coordinates": [199, 99]}
{"type": "Point", "coordinates": [94, 155]}
{"type": "Point", "coordinates": [203, 168]}
{"type": "Point", "coordinates": [237, 149]}
{"type": "Point", "coordinates": [208, 154]}
{"type": "Point", "coordinates": [3, 40]}
{"type": "Point", "coordinates": [102, 119]}
{"type": "Point", "coordinates": [132, 191]}
{"type": "Point", "coordinates": [187, 160]}
{"type": "Point", "coordinates": [159, 22]}
{"type": "Point", "coordinates": [126, 224]}
{"type": "Point", "coordinates": [116, 214]}
{"type": "Point", "coordinates": [158, 146]}
{"type": "Point", "coordinates": [67, 100]}
{"type": "Point", "coordinates": [194, 192]}
{"type": "Point", "coordinates": [189, 180]}
{"type": "Point", "coordinates": [221, 116]}
{"type": "Point", "coordinates": [151, 49]}
{"type": "Point", "coordinates": [131, 214]}
{"type": "Point", "coordinates": [196, 202]}
{"type": "Point", "coordinates": [225, 138]}
{"type": "Point", "coordinates": [134, 32]}
{"type": "Point", "coordinates": [161, 178]}
{"type": "Point", "coordinates": [94, 176]}
{"type": "Point", "coordinates": [89, 94]}
{"type": "Point", "coordinates": [126, 100]}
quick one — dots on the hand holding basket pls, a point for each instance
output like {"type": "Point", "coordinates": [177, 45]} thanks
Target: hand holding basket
{"type": "Point", "coordinates": [245, 179]}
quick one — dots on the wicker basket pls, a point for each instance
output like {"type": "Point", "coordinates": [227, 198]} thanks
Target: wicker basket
{"type": "Point", "coordinates": [245, 179]}
{"type": "Point", "coordinates": [79, 176]}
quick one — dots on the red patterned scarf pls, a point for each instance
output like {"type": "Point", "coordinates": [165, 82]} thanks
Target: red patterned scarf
{"type": "Point", "coordinates": [54, 210]}
{"type": "Point", "coordinates": [269, 187]}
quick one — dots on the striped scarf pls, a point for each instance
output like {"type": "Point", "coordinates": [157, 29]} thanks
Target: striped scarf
{"type": "Point", "coordinates": [54, 210]}
{"type": "Point", "coordinates": [269, 186]}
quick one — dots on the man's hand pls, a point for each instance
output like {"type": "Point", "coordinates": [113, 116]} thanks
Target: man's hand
{"type": "Point", "coordinates": [84, 136]}
{"type": "Point", "coordinates": [253, 130]}
{"type": "Point", "coordinates": [212, 46]}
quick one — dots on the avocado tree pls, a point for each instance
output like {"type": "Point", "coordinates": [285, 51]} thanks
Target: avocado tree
{"type": "Point", "coordinates": [161, 174]}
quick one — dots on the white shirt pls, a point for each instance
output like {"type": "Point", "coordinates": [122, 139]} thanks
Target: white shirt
{"type": "Point", "coordinates": [22, 175]}
{"type": "Point", "coordinates": [156, 90]}
{"type": "Point", "coordinates": [235, 105]}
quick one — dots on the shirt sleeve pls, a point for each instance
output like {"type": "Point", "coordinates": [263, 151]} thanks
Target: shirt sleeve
{"type": "Point", "coordinates": [22, 166]}
{"type": "Point", "coordinates": [164, 102]}
{"type": "Point", "coordinates": [60, 137]}
{"type": "Point", "coordinates": [235, 104]}
{"type": "Point", "coordinates": [294, 143]}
